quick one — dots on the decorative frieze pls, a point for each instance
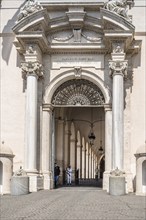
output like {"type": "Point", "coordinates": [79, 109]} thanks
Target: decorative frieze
{"type": "Point", "coordinates": [31, 68]}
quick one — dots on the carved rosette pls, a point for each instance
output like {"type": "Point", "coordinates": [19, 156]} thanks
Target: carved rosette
{"type": "Point", "coordinates": [118, 67]}
{"type": "Point", "coordinates": [31, 68]}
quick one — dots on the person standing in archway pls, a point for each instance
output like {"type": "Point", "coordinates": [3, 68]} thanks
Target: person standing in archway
{"type": "Point", "coordinates": [69, 175]}
{"type": "Point", "coordinates": [56, 174]}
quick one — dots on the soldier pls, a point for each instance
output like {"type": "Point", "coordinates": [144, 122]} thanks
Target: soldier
{"type": "Point", "coordinates": [69, 175]}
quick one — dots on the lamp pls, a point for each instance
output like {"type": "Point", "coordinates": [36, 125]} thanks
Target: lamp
{"type": "Point", "coordinates": [91, 136]}
{"type": "Point", "coordinates": [100, 150]}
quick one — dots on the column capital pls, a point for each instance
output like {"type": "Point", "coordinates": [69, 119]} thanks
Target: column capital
{"type": "Point", "coordinates": [47, 107]}
{"type": "Point", "coordinates": [118, 67]}
{"type": "Point", "coordinates": [31, 69]}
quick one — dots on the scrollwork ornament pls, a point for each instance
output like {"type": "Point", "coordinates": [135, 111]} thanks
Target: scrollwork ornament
{"type": "Point", "coordinates": [118, 67]}
{"type": "Point", "coordinates": [31, 68]}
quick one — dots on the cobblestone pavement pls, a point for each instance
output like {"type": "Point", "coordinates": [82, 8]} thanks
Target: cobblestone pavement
{"type": "Point", "coordinates": [69, 203]}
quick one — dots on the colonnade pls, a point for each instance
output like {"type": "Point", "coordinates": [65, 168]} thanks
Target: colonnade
{"type": "Point", "coordinates": [71, 149]}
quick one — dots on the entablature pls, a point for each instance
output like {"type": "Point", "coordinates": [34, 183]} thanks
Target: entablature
{"type": "Point", "coordinates": [75, 30]}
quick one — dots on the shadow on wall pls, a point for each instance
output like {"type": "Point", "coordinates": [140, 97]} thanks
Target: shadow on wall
{"type": "Point", "coordinates": [7, 39]}
{"type": "Point", "coordinates": [134, 184]}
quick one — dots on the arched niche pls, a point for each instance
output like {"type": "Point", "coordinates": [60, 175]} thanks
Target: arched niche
{"type": "Point", "coordinates": [140, 170]}
{"type": "Point", "coordinates": [6, 168]}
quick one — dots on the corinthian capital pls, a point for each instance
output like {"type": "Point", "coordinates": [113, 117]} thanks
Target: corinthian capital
{"type": "Point", "coordinates": [31, 68]}
{"type": "Point", "coordinates": [118, 67]}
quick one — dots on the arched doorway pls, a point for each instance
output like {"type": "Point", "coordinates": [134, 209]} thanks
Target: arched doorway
{"type": "Point", "coordinates": [75, 101]}
{"type": "Point", "coordinates": [78, 106]}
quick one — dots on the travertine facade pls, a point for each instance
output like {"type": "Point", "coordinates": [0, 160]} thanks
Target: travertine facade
{"type": "Point", "coordinates": [68, 67]}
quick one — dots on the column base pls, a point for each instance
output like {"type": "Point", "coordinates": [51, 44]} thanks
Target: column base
{"type": "Point", "coordinates": [32, 183]}
{"type": "Point", "coordinates": [117, 185]}
{"type": "Point", "coordinates": [128, 179]}
{"type": "Point", "coordinates": [106, 175]}
{"type": "Point", "coordinates": [48, 180]}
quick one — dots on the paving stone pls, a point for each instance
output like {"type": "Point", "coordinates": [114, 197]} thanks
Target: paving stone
{"type": "Point", "coordinates": [72, 203]}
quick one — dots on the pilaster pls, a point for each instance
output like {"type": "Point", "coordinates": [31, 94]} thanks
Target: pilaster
{"type": "Point", "coordinates": [46, 151]}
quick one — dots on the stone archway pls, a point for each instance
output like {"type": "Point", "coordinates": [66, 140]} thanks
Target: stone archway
{"type": "Point", "coordinates": [70, 92]}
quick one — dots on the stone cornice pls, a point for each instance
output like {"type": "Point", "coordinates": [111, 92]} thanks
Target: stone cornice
{"type": "Point", "coordinates": [31, 68]}
{"type": "Point", "coordinates": [39, 28]}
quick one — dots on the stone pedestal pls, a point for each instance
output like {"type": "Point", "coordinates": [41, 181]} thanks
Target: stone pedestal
{"type": "Point", "coordinates": [19, 185]}
{"type": "Point", "coordinates": [117, 185]}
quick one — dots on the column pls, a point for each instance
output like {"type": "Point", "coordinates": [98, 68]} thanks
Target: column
{"type": "Point", "coordinates": [46, 150]}
{"type": "Point", "coordinates": [83, 162]}
{"type": "Point", "coordinates": [60, 146]}
{"type": "Point", "coordinates": [66, 146]}
{"type": "Point", "coordinates": [87, 161]}
{"type": "Point", "coordinates": [73, 156]}
{"type": "Point", "coordinates": [31, 72]}
{"type": "Point", "coordinates": [79, 158]}
{"type": "Point", "coordinates": [108, 137]}
{"type": "Point", "coordinates": [108, 146]}
{"type": "Point", "coordinates": [118, 69]}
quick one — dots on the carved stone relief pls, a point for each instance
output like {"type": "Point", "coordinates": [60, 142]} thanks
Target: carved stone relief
{"type": "Point", "coordinates": [31, 68]}
{"type": "Point", "coordinates": [119, 7]}
{"type": "Point", "coordinates": [118, 67]}
{"type": "Point", "coordinates": [30, 7]}
{"type": "Point", "coordinates": [78, 92]}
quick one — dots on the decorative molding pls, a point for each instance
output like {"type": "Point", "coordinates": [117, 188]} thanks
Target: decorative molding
{"type": "Point", "coordinates": [78, 72]}
{"type": "Point", "coordinates": [117, 172]}
{"type": "Point", "coordinates": [30, 49]}
{"type": "Point", "coordinates": [118, 48]}
{"type": "Point", "coordinates": [62, 39]}
{"type": "Point", "coordinates": [92, 39]}
{"type": "Point", "coordinates": [31, 68]}
{"type": "Point", "coordinates": [77, 35]}
{"type": "Point", "coordinates": [78, 93]}
{"type": "Point", "coordinates": [118, 67]}
{"type": "Point", "coordinates": [30, 7]}
{"type": "Point", "coordinates": [76, 17]}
